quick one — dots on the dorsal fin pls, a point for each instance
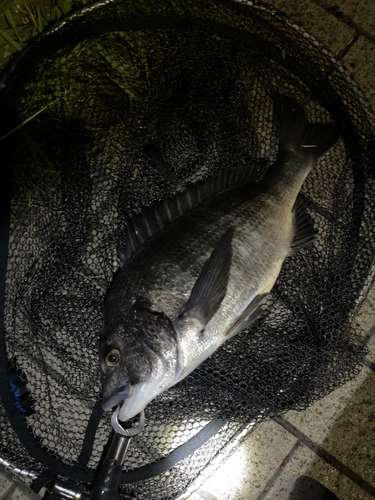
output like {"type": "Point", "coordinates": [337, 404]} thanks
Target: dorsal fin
{"type": "Point", "coordinates": [152, 219]}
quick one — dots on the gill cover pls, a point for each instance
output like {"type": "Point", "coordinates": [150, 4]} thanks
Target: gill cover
{"type": "Point", "coordinates": [138, 353]}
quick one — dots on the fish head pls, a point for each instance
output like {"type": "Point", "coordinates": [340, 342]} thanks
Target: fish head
{"type": "Point", "coordinates": [138, 358]}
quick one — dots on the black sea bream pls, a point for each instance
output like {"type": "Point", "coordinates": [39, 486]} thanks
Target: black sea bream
{"type": "Point", "coordinates": [198, 265]}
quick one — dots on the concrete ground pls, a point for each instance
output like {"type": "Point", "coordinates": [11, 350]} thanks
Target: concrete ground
{"type": "Point", "coordinates": [334, 440]}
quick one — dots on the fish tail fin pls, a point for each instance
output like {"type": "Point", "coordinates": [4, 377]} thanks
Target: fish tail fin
{"type": "Point", "coordinates": [308, 140]}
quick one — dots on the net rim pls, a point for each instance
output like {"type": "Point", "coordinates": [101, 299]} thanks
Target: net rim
{"type": "Point", "coordinates": [18, 59]}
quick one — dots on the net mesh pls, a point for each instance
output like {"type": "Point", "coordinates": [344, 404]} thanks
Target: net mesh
{"type": "Point", "coordinates": [142, 100]}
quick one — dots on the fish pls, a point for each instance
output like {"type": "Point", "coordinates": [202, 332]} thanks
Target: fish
{"type": "Point", "coordinates": [197, 266]}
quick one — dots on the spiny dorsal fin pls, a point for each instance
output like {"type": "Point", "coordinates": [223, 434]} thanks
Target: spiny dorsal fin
{"type": "Point", "coordinates": [211, 286]}
{"type": "Point", "coordinates": [152, 219]}
{"type": "Point", "coordinates": [303, 228]}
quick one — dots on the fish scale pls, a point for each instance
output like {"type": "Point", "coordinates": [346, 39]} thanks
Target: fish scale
{"type": "Point", "coordinates": [188, 242]}
{"type": "Point", "coordinates": [199, 276]}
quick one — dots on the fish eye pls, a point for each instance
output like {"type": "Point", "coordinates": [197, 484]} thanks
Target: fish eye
{"type": "Point", "coordinates": [113, 357]}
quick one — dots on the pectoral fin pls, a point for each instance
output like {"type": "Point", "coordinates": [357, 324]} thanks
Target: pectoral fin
{"type": "Point", "coordinates": [303, 227]}
{"type": "Point", "coordinates": [211, 286]}
{"type": "Point", "coordinates": [248, 316]}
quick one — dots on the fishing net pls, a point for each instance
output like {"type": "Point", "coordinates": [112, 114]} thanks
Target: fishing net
{"type": "Point", "coordinates": [140, 99]}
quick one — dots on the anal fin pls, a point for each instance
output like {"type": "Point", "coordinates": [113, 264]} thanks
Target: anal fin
{"type": "Point", "coordinates": [303, 228]}
{"type": "Point", "coordinates": [248, 316]}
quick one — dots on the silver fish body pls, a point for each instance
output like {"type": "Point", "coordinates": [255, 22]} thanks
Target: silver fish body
{"type": "Point", "coordinates": [199, 280]}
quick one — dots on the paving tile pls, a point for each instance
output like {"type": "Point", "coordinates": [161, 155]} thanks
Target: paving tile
{"type": "Point", "coordinates": [325, 27]}
{"type": "Point", "coordinates": [371, 347]}
{"type": "Point", "coordinates": [343, 423]}
{"type": "Point", "coordinates": [360, 61]}
{"type": "Point", "coordinates": [366, 319]}
{"type": "Point", "coordinates": [305, 463]}
{"type": "Point", "coordinates": [351, 439]}
{"type": "Point", "coordinates": [318, 419]}
{"type": "Point", "coordinates": [246, 472]}
{"type": "Point", "coordinates": [362, 12]}
{"type": "Point", "coordinates": [205, 495]}
{"type": "Point", "coordinates": [21, 492]}
{"type": "Point", "coordinates": [366, 315]}
{"type": "Point", "coordinates": [6, 483]}
{"type": "Point", "coordinates": [195, 496]}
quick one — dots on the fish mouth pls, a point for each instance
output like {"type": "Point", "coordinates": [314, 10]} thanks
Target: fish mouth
{"type": "Point", "coordinates": [134, 404]}
{"type": "Point", "coordinates": [118, 397]}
